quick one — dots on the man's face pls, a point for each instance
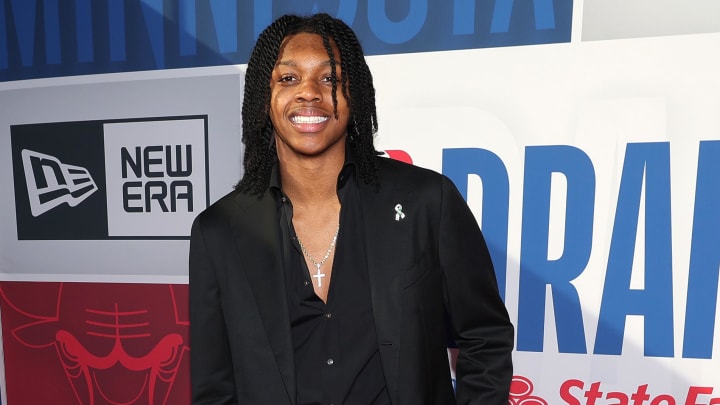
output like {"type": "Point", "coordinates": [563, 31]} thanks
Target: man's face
{"type": "Point", "coordinates": [301, 107]}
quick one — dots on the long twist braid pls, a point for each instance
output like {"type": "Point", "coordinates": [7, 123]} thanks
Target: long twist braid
{"type": "Point", "coordinates": [355, 84]}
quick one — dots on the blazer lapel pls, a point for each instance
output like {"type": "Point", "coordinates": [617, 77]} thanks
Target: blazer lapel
{"type": "Point", "coordinates": [258, 242]}
{"type": "Point", "coordinates": [386, 237]}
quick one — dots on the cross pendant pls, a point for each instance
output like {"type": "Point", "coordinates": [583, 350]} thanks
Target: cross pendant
{"type": "Point", "coordinates": [319, 275]}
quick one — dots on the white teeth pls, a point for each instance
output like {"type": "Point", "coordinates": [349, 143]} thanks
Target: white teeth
{"type": "Point", "coordinates": [300, 119]}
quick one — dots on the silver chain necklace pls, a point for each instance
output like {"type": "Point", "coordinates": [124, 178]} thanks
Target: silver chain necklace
{"type": "Point", "coordinates": [318, 275]}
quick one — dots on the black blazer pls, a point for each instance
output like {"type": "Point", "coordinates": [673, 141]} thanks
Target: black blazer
{"type": "Point", "coordinates": [430, 263]}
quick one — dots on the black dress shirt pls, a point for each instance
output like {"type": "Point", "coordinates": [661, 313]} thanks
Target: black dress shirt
{"type": "Point", "coordinates": [337, 360]}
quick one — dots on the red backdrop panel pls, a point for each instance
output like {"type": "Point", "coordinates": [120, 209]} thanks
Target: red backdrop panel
{"type": "Point", "coordinates": [95, 343]}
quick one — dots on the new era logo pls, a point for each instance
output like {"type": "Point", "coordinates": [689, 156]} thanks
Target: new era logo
{"type": "Point", "coordinates": [51, 182]}
{"type": "Point", "coordinates": [106, 179]}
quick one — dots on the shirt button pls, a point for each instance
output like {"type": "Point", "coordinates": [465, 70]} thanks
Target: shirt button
{"type": "Point", "coordinates": [306, 283]}
{"type": "Point", "coordinates": [328, 315]}
{"type": "Point", "coordinates": [330, 362]}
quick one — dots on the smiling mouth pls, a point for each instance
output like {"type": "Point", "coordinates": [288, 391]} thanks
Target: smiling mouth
{"type": "Point", "coordinates": [301, 119]}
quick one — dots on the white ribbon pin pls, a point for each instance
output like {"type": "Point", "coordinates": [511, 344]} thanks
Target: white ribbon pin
{"type": "Point", "coordinates": [398, 212]}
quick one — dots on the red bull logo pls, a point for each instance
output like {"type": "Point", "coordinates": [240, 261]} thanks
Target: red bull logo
{"type": "Point", "coordinates": [100, 344]}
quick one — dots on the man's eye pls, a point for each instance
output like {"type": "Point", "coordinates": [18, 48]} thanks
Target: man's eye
{"type": "Point", "coordinates": [327, 79]}
{"type": "Point", "coordinates": [286, 79]}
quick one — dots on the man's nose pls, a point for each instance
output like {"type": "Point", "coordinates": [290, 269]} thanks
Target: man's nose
{"type": "Point", "coordinates": [309, 91]}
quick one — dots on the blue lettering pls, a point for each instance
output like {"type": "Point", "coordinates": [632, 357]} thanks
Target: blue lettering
{"type": "Point", "coordinates": [224, 21]}
{"type": "Point", "coordinates": [52, 31]}
{"type": "Point", "coordinates": [153, 14]}
{"type": "Point", "coordinates": [84, 34]}
{"type": "Point", "coordinates": [62, 36]}
{"type": "Point", "coordinates": [702, 296]}
{"type": "Point", "coordinates": [650, 161]}
{"type": "Point", "coordinates": [464, 17]}
{"type": "Point", "coordinates": [396, 32]}
{"type": "Point", "coordinates": [116, 26]}
{"type": "Point", "coordinates": [187, 22]}
{"type": "Point", "coordinates": [346, 9]}
{"type": "Point", "coordinates": [24, 16]}
{"type": "Point", "coordinates": [458, 164]}
{"type": "Point", "coordinates": [262, 15]}
{"type": "Point", "coordinates": [3, 41]}
{"type": "Point", "coordinates": [536, 271]}
{"type": "Point", "coordinates": [544, 15]}
{"type": "Point", "coordinates": [224, 14]}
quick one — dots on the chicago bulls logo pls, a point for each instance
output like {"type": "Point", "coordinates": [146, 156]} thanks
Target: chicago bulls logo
{"type": "Point", "coordinates": [115, 343]}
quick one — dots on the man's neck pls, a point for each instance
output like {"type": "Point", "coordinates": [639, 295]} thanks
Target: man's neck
{"type": "Point", "coordinates": [310, 181]}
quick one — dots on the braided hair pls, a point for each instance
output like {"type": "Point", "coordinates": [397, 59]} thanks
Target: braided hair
{"type": "Point", "coordinates": [355, 84]}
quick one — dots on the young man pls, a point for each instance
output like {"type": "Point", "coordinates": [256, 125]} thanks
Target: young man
{"type": "Point", "coordinates": [331, 275]}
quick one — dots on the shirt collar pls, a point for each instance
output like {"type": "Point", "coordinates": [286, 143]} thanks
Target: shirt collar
{"type": "Point", "coordinates": [346, 173]}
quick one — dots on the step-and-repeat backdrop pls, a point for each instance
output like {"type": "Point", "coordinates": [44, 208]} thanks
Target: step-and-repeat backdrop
{"type": "Point", "coordinates": [585, 136]}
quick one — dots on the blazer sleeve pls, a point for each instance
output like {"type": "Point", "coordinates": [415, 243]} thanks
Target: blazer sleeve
{"type": "Point", "coordinates": [211, 368]}
{"type": "Point", "coordinates": [478, 317]}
